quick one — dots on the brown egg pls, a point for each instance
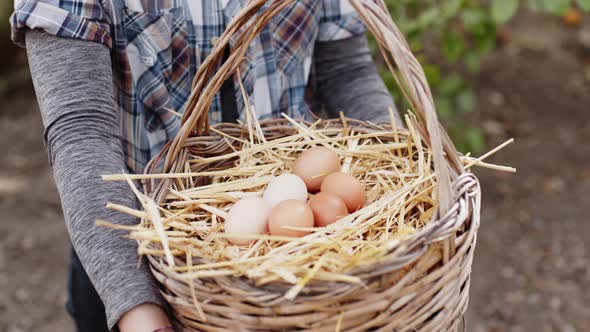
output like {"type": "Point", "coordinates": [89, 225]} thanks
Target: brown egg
{"type": "Point", "coordinates": [345, 186]}
{"type": "Point", "coordinates": [327, 208]}
{"type": "Point", "coordinates": [314, 164]}
{"type": "Point", "coordinates": [292, 213]}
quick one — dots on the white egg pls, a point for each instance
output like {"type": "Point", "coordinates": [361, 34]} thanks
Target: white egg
{"type": "Point", "coordinates": [285, 187]}
{"type": "Point", "coordinates": [248, 216]}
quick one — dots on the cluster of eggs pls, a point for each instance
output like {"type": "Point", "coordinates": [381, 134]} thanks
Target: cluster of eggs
{"type": "Point", "coordinates": [284, 204]}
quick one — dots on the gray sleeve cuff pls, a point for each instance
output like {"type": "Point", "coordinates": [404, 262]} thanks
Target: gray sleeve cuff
{"type": "Point", "coordinates": [129, 294]}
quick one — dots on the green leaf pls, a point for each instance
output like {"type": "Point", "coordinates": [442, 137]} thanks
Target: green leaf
{"type": "Point", "coordinates": [467, 138]}
{"type": "Point", "coordinates": [432, 73]}
{"type": "Point", "coordinates": [451, 7]}
{"type": "Point", "coordinates": [372, 44]}
{"type": "Point", "coordinates": [466, 100]}
{"type": "Point", "coordinates": [451, 84]}
{"type": "Point", "coordinates": [535, 5]}
{"type": "Point", "coordinates": [474, 19]}
{"type": "Point", "coordinates": [485, 40]}
{"type": "Point", "coordinates": [472, 61]}
{"type": "Point", "coordinates": [584, 5]}
{"type": "Point", "coordinates": [444, 107]}
{"type": "Point", "coordinates": [475, 139]}
{"type": "Point", "coordinates": [389, 80]}
{"type": "Point", "coordinates": [503, 10]}
{"type": "Point", "coordinates": [416, 45]}
{"type": "Point", "coordinates": [556, 7]}
{"type": "Point", "coordinates": [452, 45]}
{"type": "Point", "coordinates": [428, 17]}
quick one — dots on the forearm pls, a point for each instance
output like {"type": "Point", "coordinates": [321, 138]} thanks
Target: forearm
{"type": "Point", "coordinates": [348, 81]}
{"type": "Point", "coordinates": [73, 82]}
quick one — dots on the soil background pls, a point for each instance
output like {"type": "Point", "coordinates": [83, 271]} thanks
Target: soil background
{"type": "Point", "coordinates": [531, 270]}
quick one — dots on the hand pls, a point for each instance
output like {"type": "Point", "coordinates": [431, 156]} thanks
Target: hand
{"type": "Point", "coordinates": [145, 317]}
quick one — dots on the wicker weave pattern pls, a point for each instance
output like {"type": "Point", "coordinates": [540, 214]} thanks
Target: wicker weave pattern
{"type": "Point", "coordinates": [414, 291]}
{"type": "Point", "coordinates": [423, 286]}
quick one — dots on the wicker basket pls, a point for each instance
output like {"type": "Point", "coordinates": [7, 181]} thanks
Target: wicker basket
{"type": "Point", "coordinates": [423, 287]}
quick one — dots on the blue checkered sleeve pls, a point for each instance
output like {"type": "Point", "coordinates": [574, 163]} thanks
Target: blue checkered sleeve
{"type": "Point", "coordinates": [80, 19]}
{"type": "Point", "coordinates": [338, 20]}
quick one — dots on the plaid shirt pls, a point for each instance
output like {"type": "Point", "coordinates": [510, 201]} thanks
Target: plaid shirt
{"type": "Point", "coordinates": [158, 45]}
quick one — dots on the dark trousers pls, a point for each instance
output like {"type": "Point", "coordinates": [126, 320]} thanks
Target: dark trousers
{"type": "Point", "coordinates": [83, 303]}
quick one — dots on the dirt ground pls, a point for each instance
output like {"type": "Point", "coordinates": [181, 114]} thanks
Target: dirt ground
{"type": "Point", "coordinates": [531, 270]}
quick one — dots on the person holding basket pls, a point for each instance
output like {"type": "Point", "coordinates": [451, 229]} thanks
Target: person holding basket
{"type": "Point", "coordinates": [112, 76]}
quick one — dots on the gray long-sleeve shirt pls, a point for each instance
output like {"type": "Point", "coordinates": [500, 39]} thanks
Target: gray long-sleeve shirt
{"type": "Point", "coordinates": [73, 82]}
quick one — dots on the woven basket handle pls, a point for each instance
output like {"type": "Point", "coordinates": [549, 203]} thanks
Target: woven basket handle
{"type": "Point", "coordinates": [411, 79]}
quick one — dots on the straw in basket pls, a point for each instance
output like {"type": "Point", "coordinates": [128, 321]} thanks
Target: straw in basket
{"type": "Point", "coordinates": [401, 263]}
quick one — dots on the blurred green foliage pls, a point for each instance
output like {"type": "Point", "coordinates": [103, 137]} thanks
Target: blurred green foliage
{"type": "Point", "coordinates": [5, 9]}
{"type": "Point", "coordinates": [463, 32]}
